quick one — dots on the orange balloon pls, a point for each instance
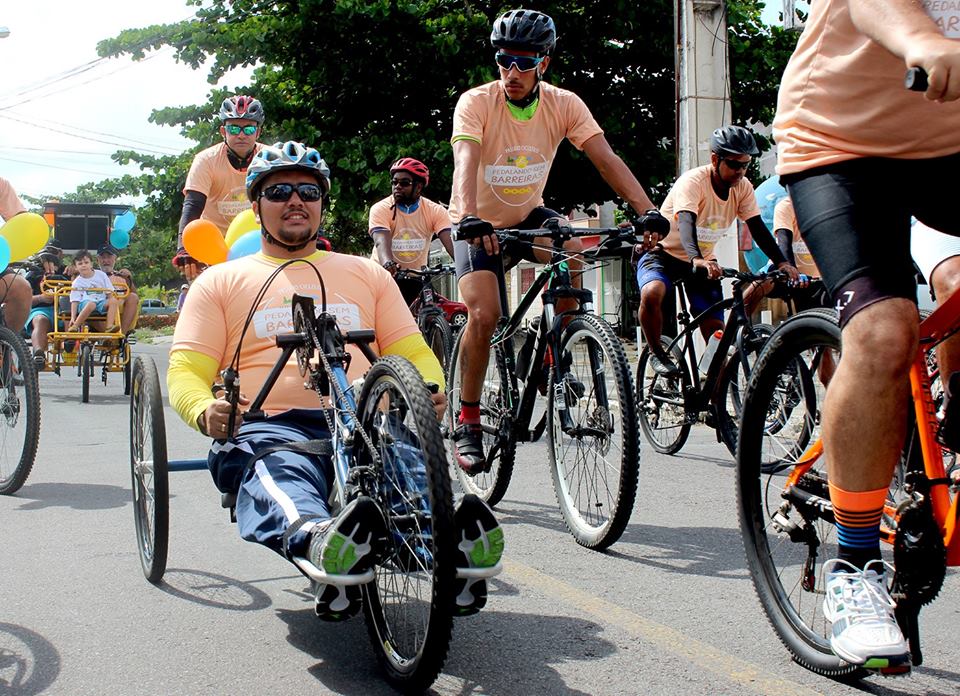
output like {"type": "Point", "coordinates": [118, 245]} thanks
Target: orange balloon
{"type": "Point", "coordinates": [203, 241]}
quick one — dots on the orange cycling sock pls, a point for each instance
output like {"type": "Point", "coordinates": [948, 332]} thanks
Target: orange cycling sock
{"type": "Point", "coordinates": [858, 516]}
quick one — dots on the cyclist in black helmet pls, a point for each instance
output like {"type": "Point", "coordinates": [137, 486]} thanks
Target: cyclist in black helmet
{"type": "Point", "coordinates": [505, 138]}
{"type": "Point", "coordinates": [703, 205]}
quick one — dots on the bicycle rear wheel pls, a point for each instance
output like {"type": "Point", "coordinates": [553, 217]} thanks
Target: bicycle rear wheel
{"type": "Point", "coordinates": [595, 452]}
{"type": "Point", "coordinates": [86, 369]}
{"type": "Point", "coordinates": [409, 605]}
{"type": "Point", "coordinates": [788, 531]}
{"type": "Point", "coordinates": [499, 443]}
{"type": "Point", "coordinates": [148, 468]}
{"type": "Point", "coordinates": [660, 403]}
{"type": "Point", "coordinates": [436, 332]}
{"type": "Point", "coordinates": [19, 412]}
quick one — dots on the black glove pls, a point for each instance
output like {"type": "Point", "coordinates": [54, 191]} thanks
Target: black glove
{"type": "Point", "coordinates": [653, 221]}
{"type": "Point", "coordinates": [471, 227]}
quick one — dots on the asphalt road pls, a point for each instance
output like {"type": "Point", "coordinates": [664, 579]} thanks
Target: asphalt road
{"type": "Point", "coordinates": [668, 610]}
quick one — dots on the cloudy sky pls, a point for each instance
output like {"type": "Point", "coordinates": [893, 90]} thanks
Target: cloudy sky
{"type": "Point", "coordinates": [63, 112]}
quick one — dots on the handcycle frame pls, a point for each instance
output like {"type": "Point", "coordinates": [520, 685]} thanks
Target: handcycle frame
{"type": "Point", "coordinates": [114, 347]}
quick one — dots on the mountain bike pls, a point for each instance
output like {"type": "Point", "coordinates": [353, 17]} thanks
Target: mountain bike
{"type": "Point", "coordinates": [19, 409]}
{"type": "Point", "coordinates": [431, 320]}
{"type": "Point", "coordinates": [669, 406]}
{"type": "Point", "coordinates": [579, 364]}
{"type": "Point", "coordinates": [786, 517]}
{"type": "Point", "coordinates": [384, 443]}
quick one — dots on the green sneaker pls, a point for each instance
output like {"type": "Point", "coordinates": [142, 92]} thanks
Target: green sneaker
{"type": "Point", "coordinates": [480, 546]}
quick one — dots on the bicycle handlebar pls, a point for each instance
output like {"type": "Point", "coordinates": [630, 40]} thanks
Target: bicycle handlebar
{"type": "Point", "coordinates": [425, 272]}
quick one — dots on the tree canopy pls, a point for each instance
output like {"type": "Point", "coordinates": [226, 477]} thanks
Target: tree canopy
{"type": "Point", "coordinates": [368, 81]}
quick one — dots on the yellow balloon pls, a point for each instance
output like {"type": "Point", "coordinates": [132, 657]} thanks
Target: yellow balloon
{"type": "Point", "coordinates": [243, 223]}
{"type": "Point", "coordinates": [202, 240]}
{"type": "Point", "coordinates": [26, 234]}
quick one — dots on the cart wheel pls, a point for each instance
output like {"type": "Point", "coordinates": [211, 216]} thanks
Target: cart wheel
{"type": "Point", "coordinates": [148, 468]}
{"type": "Point", "coordinates": [127, 367]}
{"type": "Point", "coordinates": [86, 370]}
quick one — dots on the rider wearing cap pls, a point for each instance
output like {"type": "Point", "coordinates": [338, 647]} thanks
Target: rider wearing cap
{"type": "Point", "coordinates": [403, 224]}
{"type": "Point", "coordinates": [702, 206]}
{"type": "Point", "coordinates": [282, 498]}
{"type": "Point", "coordinates": [123, 278]}
{"type": "Point", "coordinates": [505, 137]}
{"type": "Point", "coordinates": [215, 183]}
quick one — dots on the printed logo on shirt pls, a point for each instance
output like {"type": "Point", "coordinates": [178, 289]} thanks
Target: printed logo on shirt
{"type": "Point", "coordinates": [946, 15]}
{"type": "Point", "coordinates": [234, 203]}
{"type": "Point", "coordinates": [802, 253]}
{"type": "Point", "coordinates": [407, 245]}
{"type": "Point", "coordinates": [271, 321]}
{"type": "Point", "coordinates": [710, 233]}
{"type": "Point", "coordinates": [517, 175]}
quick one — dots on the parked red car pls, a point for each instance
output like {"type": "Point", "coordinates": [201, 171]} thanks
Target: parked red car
{"type": "Point", "coordinates": [456, 312]}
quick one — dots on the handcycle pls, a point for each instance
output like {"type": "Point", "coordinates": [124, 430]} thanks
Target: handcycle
{"type": "Point", "coordinates": [786, 517]}
{"type": "Point", "coordinates": [669, 406]}
{"type": "Point", "coordinates": [19, 409]}
{"type": "Point", "coordinates": [590, 417]}
{"type": "Point", "coordinates": [87, 348]}
{"type": "Point", "coordinates": [431, 320]}
{"type": "Point", "coordinates": [384, 443]}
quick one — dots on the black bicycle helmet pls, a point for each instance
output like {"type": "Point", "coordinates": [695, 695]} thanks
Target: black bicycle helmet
{"type": "Point", "coordinates": [733, 140]}
{"type": "Point", "coordinates": [525, 30]}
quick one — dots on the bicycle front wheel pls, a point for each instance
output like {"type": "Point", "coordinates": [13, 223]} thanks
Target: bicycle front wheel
{"type": "Point", "coordinates": [733, 384]}
{"type": "Point", "coordinates": [499, 443]}
{"type": "Point", "coordinates": [409, 606]}
{"type": "Point", "coordinates": [592, 421]}
{"type": "Point", "coordinates": [19, 412]}
{"type": "Point", "coordinates": [788, 529]}
{"type": "Point", "coordinates": [436, 332]}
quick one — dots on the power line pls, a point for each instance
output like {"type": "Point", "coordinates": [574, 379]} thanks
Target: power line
{"type": "Point", "coordinates": [96, 132]}
{"type": "Point", "coordinates": [55, 166]}
{"type": "Point", "coordinates": [84, 137]}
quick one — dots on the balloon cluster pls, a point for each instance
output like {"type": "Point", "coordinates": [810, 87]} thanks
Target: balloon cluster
{"type": "Point", "coordinates": [21, 236]}
{"type": "Point", "coordinates": [122, 225]}
{"type": "Point", "coordinates": [203, 241]}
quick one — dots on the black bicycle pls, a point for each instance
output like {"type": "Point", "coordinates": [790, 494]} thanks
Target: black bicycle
{"type": "Point", "coordinates": [19, 408]}
{"type": "Point", "coordinates": [669, 406]}
{"type": "Point", "coordinates": [574, 358]}
{"type": "Point", "coordinates": [431, 320]}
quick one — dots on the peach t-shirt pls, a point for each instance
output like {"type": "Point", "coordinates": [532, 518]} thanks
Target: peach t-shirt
{"type": "Point", "coordinates": [224, 186]}
{"type": "Point", "coordinates": [10, 204]}
{"type": "Point", "coordinates": [413, 232]}
{"type": "Point", "coordinates": [785, 219]}
{"type": "Point", "coordinates": [694, 193]}
{"type": "Point", "coordinates": [515, 156]}
{"type": "Point", "coordinates": [842, 96]}
{"type": "Point", "coordinates": [361, 294]}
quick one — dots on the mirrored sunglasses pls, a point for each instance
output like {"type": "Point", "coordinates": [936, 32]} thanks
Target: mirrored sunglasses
{"type": "Point", "coordinates": [523, 63]}
{"type": "Point", "coordinates": [233, 129]}
{"type": "Point", "coordinates": [281, 193]}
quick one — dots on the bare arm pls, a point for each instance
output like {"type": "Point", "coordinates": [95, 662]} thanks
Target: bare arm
{"type": "Point", "coordinates": [383, 243]}
{"type": "Point", "coordinates": [466, 160]}
{"type": "Point", "coordinates": [617, 174]}
{"type": "Point", "coordinates": [447, 240]}
{"type": "Point", "coordinates": [906, 30]}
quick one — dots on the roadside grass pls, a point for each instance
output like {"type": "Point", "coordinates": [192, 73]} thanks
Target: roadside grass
{"type": "Point", "coordinates": [149, 335]}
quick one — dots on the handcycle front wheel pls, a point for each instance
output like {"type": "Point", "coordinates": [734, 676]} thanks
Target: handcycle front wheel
{"type": "Point", "coordinates": [787, 541]}
{"type": "Point", "coordinates": [19, 412]}
{"type": "Point", "coordinates": [660, 402]}
{"type": "Point", "coordinates": [592, 421]}
{"type": "Point", "coordinates": [409, 606]}
{"type": "Point", "coordinates": [148, 468]}
{"type": "Point", "coordinates": [499, 443]}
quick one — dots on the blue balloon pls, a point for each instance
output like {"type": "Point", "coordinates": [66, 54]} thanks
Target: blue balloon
{"type": "Point", "coordinates": [120, 239]}
{"type": "Point", "coordinates": [125, 222]}
{"type": "Point", "coordinates": [4, 254]}
{"type": "Point", "coordinates": [248, 243]}
{"type": "Point", "coordinates": [769, 193]}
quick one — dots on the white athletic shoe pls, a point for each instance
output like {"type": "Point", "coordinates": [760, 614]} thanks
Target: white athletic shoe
{"type": "Point", "coordinates": [865, 631]}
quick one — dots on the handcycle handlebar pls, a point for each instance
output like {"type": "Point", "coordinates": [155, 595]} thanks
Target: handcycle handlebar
{"type": "Point", "coordinates": [426, 272]}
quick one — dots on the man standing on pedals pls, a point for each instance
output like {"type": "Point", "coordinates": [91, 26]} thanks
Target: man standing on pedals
{"type": "Point", "coordinates": [505, 137]}
{"type": "Point", "coordinates": [859, 155]}
{"type": "Point", "coordinates": [282, 500]}
{"type": "Point", "coordinates": [403, 224]}
{"type": "Point", "coordinates": [702, 206]}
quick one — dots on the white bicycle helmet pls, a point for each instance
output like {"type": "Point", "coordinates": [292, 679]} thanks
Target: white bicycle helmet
{"type": "Point", "coordinates": [288, 155]}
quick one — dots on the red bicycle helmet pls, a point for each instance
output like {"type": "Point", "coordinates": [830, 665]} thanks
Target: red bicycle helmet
{"type": "Point", "coordinates": [414, 168]}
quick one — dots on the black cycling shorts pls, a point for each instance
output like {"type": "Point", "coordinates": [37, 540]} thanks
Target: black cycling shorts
{"type": "Point", "coordinates": [855, 218]}
{"type": "Point", "coordinates": [471, 257]}
{"type": "Point", "coordinates": [811, 297]}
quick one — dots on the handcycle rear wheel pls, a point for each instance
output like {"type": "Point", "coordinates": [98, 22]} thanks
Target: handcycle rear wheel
{"type": "Point", "coordinates": [786, 542]}
{"type": "Point", "coordinates": [436, 332]}
{"type": "Point", "coordinates": [19, 412]}
{"type": "Point", "coordinates": [148, 468]}
{"type": "Point", "coordinates": [595, 453]}
{"type": "Point", "coordinates": [499, 443]}
{"type": "Point", "coordinates": [663, 417]}
{"type": "Point", "coordinates": [409, 605]}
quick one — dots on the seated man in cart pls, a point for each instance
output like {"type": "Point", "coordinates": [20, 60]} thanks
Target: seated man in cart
{"type": "Point", "coordinates": [282, 497]}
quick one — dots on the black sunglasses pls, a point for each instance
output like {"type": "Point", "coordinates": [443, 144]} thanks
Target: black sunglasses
{"type": "Point", "coordinates": [735, 165]}
{"type": "Point", "coordinates": [403, 183]}
{"type": "Point", "coordinates": [281, 193]}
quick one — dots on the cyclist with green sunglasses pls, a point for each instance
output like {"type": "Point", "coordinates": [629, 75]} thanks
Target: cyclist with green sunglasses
{"type": "Point", "coordinates": [215, 188]}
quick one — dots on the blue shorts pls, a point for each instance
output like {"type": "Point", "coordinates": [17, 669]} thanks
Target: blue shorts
{"type": "Point", "coordinates": [701, 292]}
{"type": "Point", "coordinates": [100, 306]}
{"type": "Point", "coordinates": [46, 311]}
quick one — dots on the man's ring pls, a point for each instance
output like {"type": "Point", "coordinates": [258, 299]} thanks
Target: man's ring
{"type": "Point", "coordinates": [223, 427]}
